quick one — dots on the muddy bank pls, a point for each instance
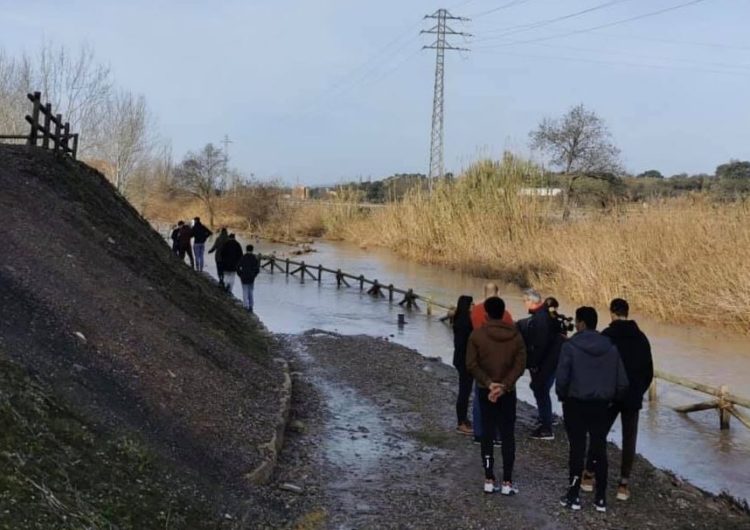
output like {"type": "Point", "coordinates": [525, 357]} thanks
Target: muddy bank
{"type": "Point", "coordinates": [371, 445]}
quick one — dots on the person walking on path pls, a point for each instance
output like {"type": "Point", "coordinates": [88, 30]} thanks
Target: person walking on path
{"type": "Point", "coordinates": [496, 357]}
{"type": "Point", "coordinates": [478, 319]}
{"type": "Point", "coordinates": [590, 377]}
{"type": "Point", "coordinates": [200, 235]}
{"type": "Point", "coordinates": [462, 329]}
{"type": "Point", "coordinates": [173, 236]}
{"type": "Point", "coordinates": [247, 269]}
{"type": "Point", "coordinates": [635, 352]}
{"type": "Point", "coordinates": [184, 235]}
{"type": "Point", "coordinates": [543, 342]}
{"type": "Point", "coordinates": [231, 253]}
{"type": "Point", "coordinates": [222, 238]}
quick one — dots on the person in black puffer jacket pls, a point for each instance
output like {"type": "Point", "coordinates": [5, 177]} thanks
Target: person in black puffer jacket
{"type": "Point", "coordinates": [635, 351]}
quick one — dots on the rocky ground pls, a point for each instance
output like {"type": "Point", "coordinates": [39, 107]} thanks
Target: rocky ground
{"type": "Point", "coordinates": [371, 445]}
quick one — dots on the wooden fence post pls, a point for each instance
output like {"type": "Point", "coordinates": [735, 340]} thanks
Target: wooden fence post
{"type": "Point", "coordinates": [724, 407]}
{"type": "Point", "coordinates": [429, 305]}
{"type": "Point", "coordinates": [320, 273]}
{"type": "Point", "coordinates": [58, 129]}
{"type": "Point", "coordinates": [65, 138]}
{"type": "Point", "coordinates": [361, 282]}
{"type": "Point", "coordinates": [390, 293]}
{"type": "Point", "coordinates": [75, 145]}
{"type": "Point", "coordinates": [287, 266]}
{"type": "Point", "coordinates": [338, 278]}
{"type": "Point", "coordinates": [36, 101]}
{"type": "Point", "coordinates": [47, 119]}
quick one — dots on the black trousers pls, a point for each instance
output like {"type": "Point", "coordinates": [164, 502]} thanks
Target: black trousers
{"type": "Point", "coordinates": [502, 415]}
{"type": "Point", "coordinates": [465, 382]}
{"type": "Point", "coordinates": [220, 272]}
{"type": "Point", "coordinates": [582, 419]}
{"type": "Point", "coordinates": [189, 251]}
{"type": "Point", "coordinates": [629, 422]}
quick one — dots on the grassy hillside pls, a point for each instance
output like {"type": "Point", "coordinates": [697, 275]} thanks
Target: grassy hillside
{"type": "Point", "coordinates": [153, 387]}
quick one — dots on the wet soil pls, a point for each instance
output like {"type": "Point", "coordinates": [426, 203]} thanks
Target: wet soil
{"type": "Point", "coordinates": [371, 444]}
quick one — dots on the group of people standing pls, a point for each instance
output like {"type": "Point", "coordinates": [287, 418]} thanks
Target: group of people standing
{"type": "Point", "coordinates": [597, 377]}
{"type": "Point", "coordinates": [190, 240]}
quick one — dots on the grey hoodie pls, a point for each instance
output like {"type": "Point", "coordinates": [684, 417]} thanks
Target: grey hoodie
{"type": "Point", "coordinates": [590, 369]}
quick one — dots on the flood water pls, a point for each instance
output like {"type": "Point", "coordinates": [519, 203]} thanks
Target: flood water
{"type": "Point", "coordinates": [690, 445]}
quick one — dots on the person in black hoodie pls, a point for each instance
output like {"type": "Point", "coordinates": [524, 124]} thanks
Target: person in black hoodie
{"type": "Point", "coordinates": [200, 235]}
{"type": "Point", "coordinates": [231, 253]}
{"type": "Point", "coordinates": [635, 351]}
{"type": "Point", "coordinates": [590, 376]}
{"type": "Point", "coordinates": [462, 328]}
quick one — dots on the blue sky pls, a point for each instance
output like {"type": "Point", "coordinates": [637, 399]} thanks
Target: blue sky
{"type": "Point", "coordinates": [320, 91]}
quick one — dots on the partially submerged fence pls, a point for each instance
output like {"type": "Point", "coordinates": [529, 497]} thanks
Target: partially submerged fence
{"type": "Point", "coordinates": [47, 129]}
{"type": "Point", "coordinates": [725, 402]}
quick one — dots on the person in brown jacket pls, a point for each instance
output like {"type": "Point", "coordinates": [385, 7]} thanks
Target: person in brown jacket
{"type": "Point", "coordinates": [496, 358]}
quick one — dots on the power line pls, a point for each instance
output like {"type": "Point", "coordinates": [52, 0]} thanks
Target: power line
{"type": "Point", "coordinates": [541, 23]}
{"type": "Point", "coordinates": [441, 31]}
{"type": "Point", "coordinates": [500, 8]}
{"type": "Point", "coordinates": [610, 24]}
{"type": "Point", "coordinates": [623, 63]}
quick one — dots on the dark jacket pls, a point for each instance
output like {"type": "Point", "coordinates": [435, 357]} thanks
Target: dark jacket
{"type": "Point", "coordinates": [635, 352]}
{"type": "Point", "coordinates": [462, 329]}
{"type": "Point", "coordinates": [248, 268]}
{"type": "Point", "coordinates": [173, 237]}
{"type": "Point", "coordinates": [183, 237]}
{"type": "Point", "coordinates": [539, 332]}
{"type": "Point", "coordinates": [218, 244]}
{"type": "Point", "coordinates": [200, 233]}
{"type": "Point", "coordinates": [231, 253]}
{"type": "Point", "coordinates": [496, 354]}
{"type": "Point", "coordinates": [590, 369]}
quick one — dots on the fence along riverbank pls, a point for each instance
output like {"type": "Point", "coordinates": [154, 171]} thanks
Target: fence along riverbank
{"type": "Point", "coordinates": [722, 400]}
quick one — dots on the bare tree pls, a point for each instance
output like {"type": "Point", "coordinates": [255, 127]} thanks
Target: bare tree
{"type": "Point", "coordinates": [580, 144]}
{"type": "Point", "coordinates": [126, 141]}
{"type": "Point", "coordinates": [202, 175]}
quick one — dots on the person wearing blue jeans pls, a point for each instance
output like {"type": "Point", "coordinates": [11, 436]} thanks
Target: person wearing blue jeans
{"type": "Point", "coordinates": [200, 235]}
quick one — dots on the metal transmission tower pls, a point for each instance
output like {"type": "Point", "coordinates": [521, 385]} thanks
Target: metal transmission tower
{"type": "Point", "coordinates": [441, 30]}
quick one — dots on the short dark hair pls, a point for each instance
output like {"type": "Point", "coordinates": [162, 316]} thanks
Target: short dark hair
{"type": "Point", "coordinates": [180, 223]}
{"type": "Point", "coordinates": [619, 307]}
{"type": "Point", "coordinates": [197, 219]}
{"type": "Point", "coordinates": [231, 236]}
{"type": "Point", "coordinates": [249, 248]}
{"type": "Point", "coordinates": [588, 316]}
{"type": "Point", "coordinates": [495, 307]}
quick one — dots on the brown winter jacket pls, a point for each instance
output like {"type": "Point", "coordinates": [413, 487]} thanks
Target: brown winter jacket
{"type": "Point", "coordinates": [496, 354]}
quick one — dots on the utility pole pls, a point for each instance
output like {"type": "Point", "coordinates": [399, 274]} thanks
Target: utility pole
{"type": "Point", "coordinates": [225, 142]}
{"type": "Point", "coordinates": [441, 30]}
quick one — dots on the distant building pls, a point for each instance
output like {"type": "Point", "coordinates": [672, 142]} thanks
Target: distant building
{"type": "Point", "coordinates": [300, 193]}
{"type": "Point", "coordinates": [540, 192]}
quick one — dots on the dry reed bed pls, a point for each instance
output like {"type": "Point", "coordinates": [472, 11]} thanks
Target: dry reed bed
{"type": "Point", "coordinates": [683, 260]}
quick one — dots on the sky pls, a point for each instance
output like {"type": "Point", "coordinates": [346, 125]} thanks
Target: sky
{"type": "Point", "coordinates": [318, 92]}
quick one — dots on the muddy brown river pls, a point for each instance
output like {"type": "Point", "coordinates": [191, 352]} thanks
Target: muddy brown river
{"type": "Point", "coordinates": [690, 445]}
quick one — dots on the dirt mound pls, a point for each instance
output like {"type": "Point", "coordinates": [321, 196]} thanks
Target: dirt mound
{"type": "Point", "coordinates": [95, 307]}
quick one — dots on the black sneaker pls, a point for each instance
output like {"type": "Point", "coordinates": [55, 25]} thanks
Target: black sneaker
{"type": "Point", "coordinates": [571, 502]}
{"type": "Point", "coordinates": [600, 505]}
{"type": "Point", "coordinates": [540, 433]}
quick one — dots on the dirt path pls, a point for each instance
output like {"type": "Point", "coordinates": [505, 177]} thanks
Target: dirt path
{"type": "Point", "coordinates": [371, 445]}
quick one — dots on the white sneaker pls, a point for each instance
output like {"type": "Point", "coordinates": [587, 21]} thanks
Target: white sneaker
{"type": "Point", "coordinates": [490, 486]}
{"type": "Point", "coordinates": [508, 489]}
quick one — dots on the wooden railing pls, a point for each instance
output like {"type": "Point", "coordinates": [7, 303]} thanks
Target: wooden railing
{"type": "Point", "coordinates": [725, 402]}
{"type": "Point", "coordinates": [47, 128]}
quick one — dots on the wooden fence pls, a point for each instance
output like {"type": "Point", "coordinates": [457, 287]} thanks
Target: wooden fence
{"type": "Point", "coordinates": [47, 128]}
{"type": "Point", "coordinates": [725, 402]}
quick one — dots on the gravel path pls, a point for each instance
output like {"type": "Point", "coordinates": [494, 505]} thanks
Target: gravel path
{"type": "Point", "coordinates": [371, 445]}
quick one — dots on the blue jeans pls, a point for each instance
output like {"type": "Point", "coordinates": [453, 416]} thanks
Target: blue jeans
{"type": "Point", "coordinates": [544, 403]}
{"type": "Point", "coordinates": [198, 249]}
{"type": "Point", "coordinates": [247, 295]}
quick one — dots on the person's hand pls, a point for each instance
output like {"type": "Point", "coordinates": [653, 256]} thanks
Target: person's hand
{"type": "Point", "coordinates": [496, 390]}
